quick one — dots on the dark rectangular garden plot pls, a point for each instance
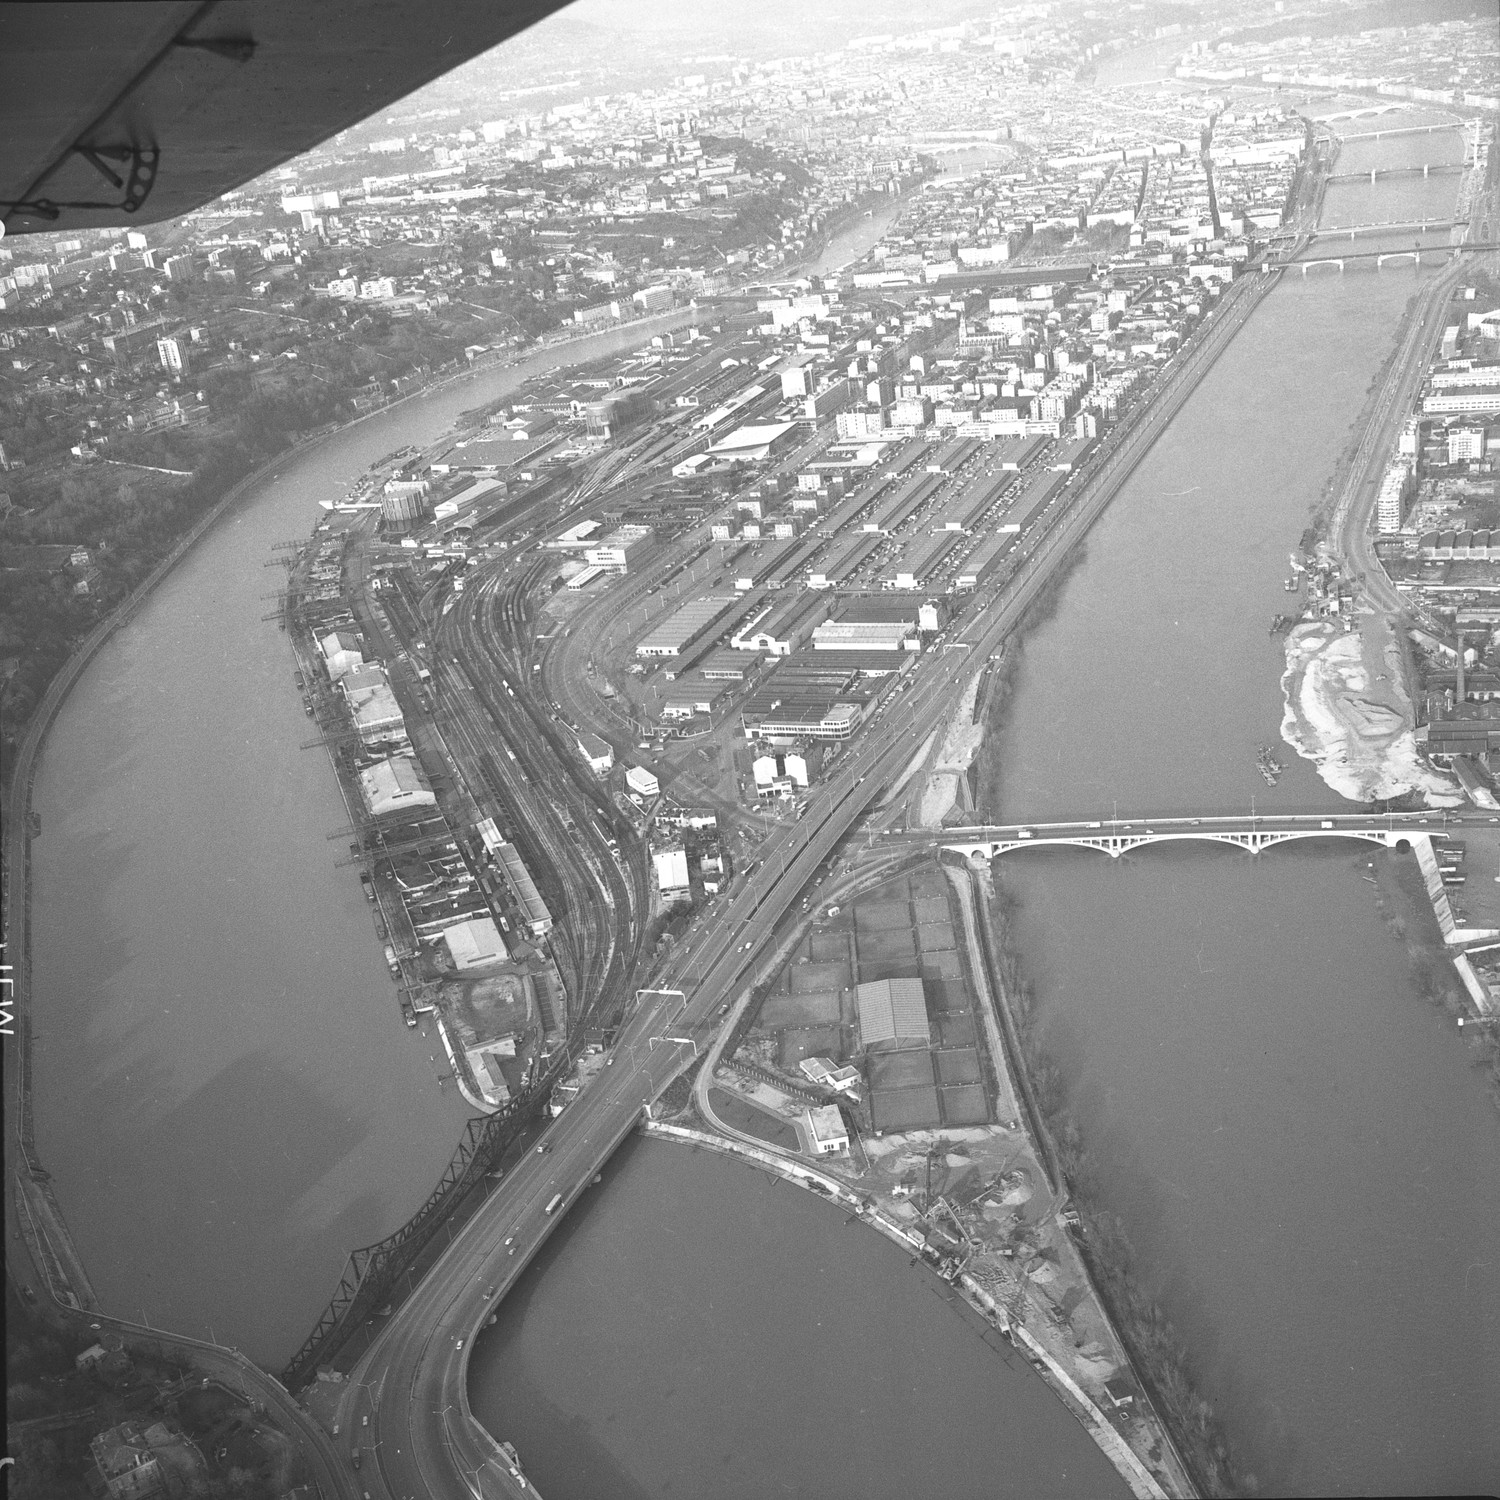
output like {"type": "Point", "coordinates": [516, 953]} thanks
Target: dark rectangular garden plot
{"type": "Point", "coordinates": [891, 945]}
{"type": "Point", "coordinates": [903, 969]}
{"type": "Point", "coordinates": [816, 1041]}
{"type": "Point", "coordinates": [965, 1104]}
{"type": "Point", "coordinates": [905, 1109]}
{"type": "Point", "coordinates": [830, 947]}
{"type": "Point", "coordinates": [807, 978]}
{"type": "Point", "coordinates": [877, 916]}
{"type": "Point", "coordinates": [935, 937]}
{"type": "Point", "coordinates": [956, 1031]}
{"type": "Point", "coordinates": [941, 965]}
{"type": "Point", "coordinates": [820, 1008]}
{"type": "Point", "coordinates": [908, 1069]}
{"type": "Point", "coordinates": [945, 994]}
{"type": "Point", "coordinates": [957, 1065]}
{"type": "Point", "coordinates": [932, 909]}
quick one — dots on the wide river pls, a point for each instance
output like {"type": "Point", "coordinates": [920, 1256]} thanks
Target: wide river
{"type": "Point", "coordinates": [226, 1096]}
{"type": "Point", "coordinates": [1305, 1160]}
{"type": "Point", "coordinates": [229, 1103]}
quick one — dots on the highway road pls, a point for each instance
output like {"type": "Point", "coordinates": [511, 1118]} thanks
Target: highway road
{"type": "Point", "coordinates": [1350, 526]}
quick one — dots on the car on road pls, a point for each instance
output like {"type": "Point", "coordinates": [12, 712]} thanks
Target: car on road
{"type": "Point", "coordinates": [510, 1239]}
{"type": "Point", "coordinates": [459, 1344]}
{"type": "Point", "coordinates": [489, 1292]}
{"type": "Point", "coordinates": [544, 1148]}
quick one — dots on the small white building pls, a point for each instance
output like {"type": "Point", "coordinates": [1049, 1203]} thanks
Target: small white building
{"type": "Point", "coordinates": [642, 782]}
{"type": "Point", "coordinates": [671, 865]}
{"type": "Point", "coordinates": [598, 753]}
{"type": "Point", "coordinates": [780, 775]}
{"type": "Point", "coordinates": [826, 1129]}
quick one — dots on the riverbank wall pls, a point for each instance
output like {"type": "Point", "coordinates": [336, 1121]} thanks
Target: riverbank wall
{"type": "Point", "coordinates": [1142, 1484]}
{"type": "Point", "coordinates": [1157, 1356]}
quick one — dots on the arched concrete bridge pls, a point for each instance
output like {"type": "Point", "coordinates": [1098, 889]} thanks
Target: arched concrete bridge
{"type": "Point", "coordinates": [1250, 833]}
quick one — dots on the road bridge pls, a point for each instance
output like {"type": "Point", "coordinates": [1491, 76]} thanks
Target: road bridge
{"type": "Point", "coordinates": [1251, 832]}
{"type": "Point", "coordinates": [1395, 130]}
{"type": "Point", "coordinates": [1427, 169]}
{"type": "Point", "coordinates": [1376, 260]}
{"type": "Point", "coordinates": [1394, 226]}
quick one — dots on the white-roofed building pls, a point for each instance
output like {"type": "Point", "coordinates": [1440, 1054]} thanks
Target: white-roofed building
{"type": "Point", "coordinates": [395, 784]}
{"type": "Point", "coordinates": [372, 705]}
{"type": "Point", "coordinates": [599, 753]}
{"type": "Point", "coordinates": [341, 653]}
{"type": "Point", "coordinates": [754, 443]}
{"type": "Point", "coordinates": [671, 866]}
{"type": "Point", "coordinates": [861, 635]}
{"type": "Point", "coordinates": [641, 781]}
{"type": "Point", "coordinates": [826, 1129]}
{"type": "Point", "coordinates": [475, 943]}
{"type": "Point", "coordinates": [893, 1010]}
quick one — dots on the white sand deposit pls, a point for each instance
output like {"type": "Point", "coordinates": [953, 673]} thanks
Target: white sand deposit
{"type": "Point", "coordinates": [1347, 712]}
{"type": "Point", "coordinates": [960, 746]}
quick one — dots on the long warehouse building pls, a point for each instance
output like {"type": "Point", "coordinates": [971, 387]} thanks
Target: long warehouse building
{"type": "Point", "coordinates": [953, 456]}
{"type": "Point", "coordinates": [1033, 500]}
{"type": "Point", "coordinates": [845, 559]}
{"type": "Point", "coordinates": [687, 625]}
{"type": "Point", "coordinates": [972, 502]}
{"type": "Point", "coordinates": [904, 504]}
{"type": "Point", "coordinates": [985, 561]}
{"type": "Point", "coordinates": [918, 565]}
{"type": "Point", "coordinates": [533, 909]}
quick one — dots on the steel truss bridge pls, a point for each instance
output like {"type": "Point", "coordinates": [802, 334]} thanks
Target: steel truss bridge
{"type": "Point", "coordinates": [373, 1275]}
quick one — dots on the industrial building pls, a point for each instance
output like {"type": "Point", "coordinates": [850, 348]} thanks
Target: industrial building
{"type": "Point", "coordinates": [921, 561]}
{"type": "Point", "coordinates": [951, 457]}
{"type": "Point", "coordinates": [393, 785]}
{"type": "Point", "coordinates": [781, 775]}
{"type": "Point", "coordinates": [342, 652]}
{"type": "Point", "coordinates": [754, 444]}
{"type": "Point", "coordinates": [534, 911]}
{"type": "Point", "coordinates": [467, 497]}
{"type": "Point", "coordinates": [782, 628]}
{"type": "Point", "coordinates": [844, 559]}
{"type": "Point", "coordinates": [621, 548]}
{"type": "Point", "coordinates": [807, 714]}
{"type": "Point", "coordinates": [893, 512]}
{"type": "Point", "coordinates": [862, 635]}
{"type": "Point", "coordinates": [671, 867]}
{"type": "Point", "coordinates": [893, 1010]}
{"type": "Point", "coordinates": [372, 705]}
{"type": "Point", "coordinates": [1033, 500]}
{"type": "Point", "coordinates": [963, 512]}
{"type": "Point", "coordinates": [474, 943]}
{"type": "Point", "coordinates": [985, 561]}
{"type": "Point", "coordinates": [687, 625]}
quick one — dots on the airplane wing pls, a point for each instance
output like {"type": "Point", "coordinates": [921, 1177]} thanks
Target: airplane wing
{"type": "Point", "coordinates": [124, 113]}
